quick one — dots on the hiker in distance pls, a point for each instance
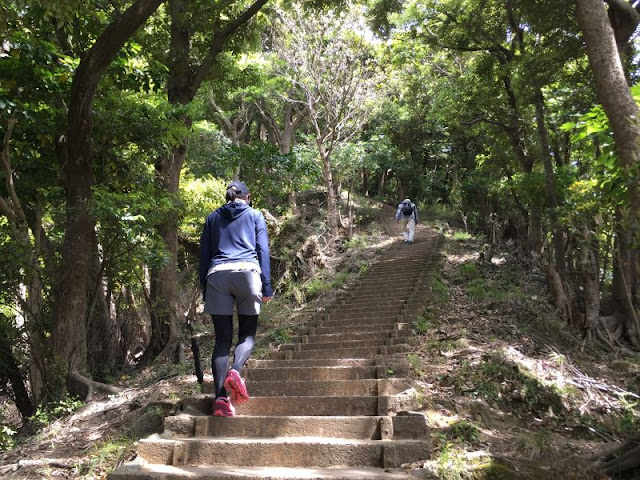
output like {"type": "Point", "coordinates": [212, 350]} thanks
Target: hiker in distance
{"type": "Point", "coordinates": [234, 271]}
{"type": "Point", "coordinates": [408, 213]}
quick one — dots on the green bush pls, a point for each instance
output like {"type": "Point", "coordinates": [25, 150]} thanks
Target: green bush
{"type": "Point", "coordinates": [7, 440]}
{"type": "Point", "coordinates": [45, 414]}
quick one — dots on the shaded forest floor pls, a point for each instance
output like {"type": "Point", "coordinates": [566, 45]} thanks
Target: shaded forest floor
{"type": "Point", "coordinates": [509, 392]}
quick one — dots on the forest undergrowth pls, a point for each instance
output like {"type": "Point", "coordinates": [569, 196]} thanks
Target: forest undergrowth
{"type": "Point", "coordinates": [511, 392]}
{"type": "Point", "coordinates": [508, 391]}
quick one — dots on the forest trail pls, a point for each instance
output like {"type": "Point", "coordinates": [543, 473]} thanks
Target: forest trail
{"type": "Point", "coordinates": [335, 403]}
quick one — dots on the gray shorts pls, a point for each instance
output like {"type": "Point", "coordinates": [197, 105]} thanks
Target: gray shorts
{"type": "Point", "coordinates": [228, 287]}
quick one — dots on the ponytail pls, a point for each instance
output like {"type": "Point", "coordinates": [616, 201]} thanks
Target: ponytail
{"type": "Point", "coordinates": [232, 193]}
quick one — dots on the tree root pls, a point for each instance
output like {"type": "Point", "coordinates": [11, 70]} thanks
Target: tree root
{"type": "Point", "coordinates": [621, 458]}
{"type": "Point", "coordinates": [85, 388]}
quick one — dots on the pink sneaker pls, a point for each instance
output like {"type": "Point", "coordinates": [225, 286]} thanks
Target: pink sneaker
{"type": "Point", "coordinates": [234, 384]}
{"type": "Point", "coordinates": [223, 408]}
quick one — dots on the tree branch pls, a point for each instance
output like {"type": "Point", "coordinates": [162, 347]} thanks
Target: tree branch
{"type": "Point", "coordinates": [219, 39]}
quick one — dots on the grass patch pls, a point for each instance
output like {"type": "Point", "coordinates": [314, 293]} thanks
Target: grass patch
{"type": "Point", "coordinates": [455, 463]}
{"type": "Point", "coordinates": [423, 325]}
{"type": "Point", "coordinates": [531, 444]}
{"type": "Point", "coordinates": [104, 455]}
{"type": "Point", "coordinates": [462, 236]}
{"type": "Point", "coordinates": [320, 285]}
{"type": "Point", "coordinates": [439, 291]}
{"type": "Point", "coordinates": [463, 431]}
{"type": "Point", "coordinates": [414, 362]}
{"type": "Point", "coordinates": [357, 241]}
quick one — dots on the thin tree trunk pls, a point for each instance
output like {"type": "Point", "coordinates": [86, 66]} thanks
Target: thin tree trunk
{"type": "Point", "coordinates": [622, 112]}
{"type": "Point", "coordinates": [382, 182]}
{"type": "Point", "coordinates": [332, 206]}
{"type": "Point", "coordinates": [10, 372]}
{"type": "Point", "coordinates": [550, 187]}
{"type": "Point", "coordinates": [164, 280]}
{"type": "Point", "coordinates": [365, 182]}
{"type": "Point", "coordinates": [589, 267]}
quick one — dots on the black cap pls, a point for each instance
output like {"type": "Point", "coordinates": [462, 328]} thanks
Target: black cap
{"type": "Point", "coordinates": [240, 188]}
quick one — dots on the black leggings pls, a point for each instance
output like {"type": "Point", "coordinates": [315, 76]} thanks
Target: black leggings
{"type": "Point", "coordinates": [223, 327]}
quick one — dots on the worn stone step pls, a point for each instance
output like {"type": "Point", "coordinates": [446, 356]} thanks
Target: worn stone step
{"type": "Point", "coordinates": [379, 336]}
{"type": "Point", "coordinates": [302, 452]}
{"type": "Point", "coordinates": [359, 352]}
{"type": "Point", "coordinates": [139, 471]}
{"type": "Point", "coordinates": [315, 406]}
{"type": "Point", "coordinates": [351, 343]}
{"type": "Point", "coordinates": [371, 310]}
{"type": "Point", "coordinates": [316, 388]}
{"type": "Point", "coordinates": [329, 362]}
{"type": "Point", "coordinates": [364, 427]}
{"type": "Point", "coordinates": [376, 335]}
{"type": "Point", "coordinates": [363, 387]}
{"type": "Point", "coordinates": [396, 362]}
{"type": "Point", "coordinates": [310, 373]}
{"type": "Point", "coordinates": [327, 330]}
{"type": "Point", "coordinates": [295, 406]}
{"type": "Point", "coordinates": [363, 321]}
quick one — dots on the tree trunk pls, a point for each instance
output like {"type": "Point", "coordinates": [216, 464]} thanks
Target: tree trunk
{"type": "Point", "coordinates": [589, 268]}
{"type": "Point", "coordinates": [533, 241]}
{"type": "Point", "coordinates": [102, 340]}
{"type": "Point", "coordinates": [13, 210]}
{"type": "Point", "coordinates": [71, 295]}
{"type": "Point", "coordinates": [382, 182]}
{"type": "Point", "coordinates": [622, 112]}
{"type": "Point", "coordinates": [365, 182]}
{"type": "Point", "coordinates": [558, 292]}
{"type": "Point", "coordinates": [10, 373]}
{"type": "Point", "coordinates": [550, 187]}
{"type": "Point", "coordinates": [164, 280]}
{"type": "Point", "coordinates": [332, 205]}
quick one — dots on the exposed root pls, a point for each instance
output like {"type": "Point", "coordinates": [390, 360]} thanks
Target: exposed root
{"type": "Point", "coordinates": [85, 387]}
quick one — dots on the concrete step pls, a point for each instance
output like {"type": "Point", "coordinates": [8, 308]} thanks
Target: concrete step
{"type": "Point", "coordinates": [359, 352]}
{"type": "Point", "coordinates": [335, 362]}
{"type": "Point", "coordinates": [363, 321]}
{"type": "Point", "coordinates": [364, 427]}
{"type": "Point", "coordinates": [363, 387]}
{"type": "Point", "coordinates": [350, 343]}
{"type": "Point", "coordinates": [333, 329]}
{"type": "Point", "coordinates": [139, 471]}
{"type": "Point", "coordinates": [298, 406]}
{"type": "Point", "coordinates": [305, 452]}
{"type": "Point", "coordinates": [309, 373]}
{"type": "Point", "coordinates": [366, 387]}
{"type": "Point", "coordinates": [378, 310]}
{"type": "Point", "coordinates": [395, 362]}
{"type": "Point", "coordinates": [333, 337]}
{"type": "Point", "coordinates": [380, 304]}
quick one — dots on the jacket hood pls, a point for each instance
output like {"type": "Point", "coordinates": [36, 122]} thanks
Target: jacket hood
{"type": "Point", "coordinates": [233, 210]}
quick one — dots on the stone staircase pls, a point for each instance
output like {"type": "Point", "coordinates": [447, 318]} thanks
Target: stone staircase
{"type": "Point", "coordinates": [335, 403]}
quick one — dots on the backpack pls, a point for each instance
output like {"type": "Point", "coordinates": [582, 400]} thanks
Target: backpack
{"type": "Point", "coordinates": [407, 209]}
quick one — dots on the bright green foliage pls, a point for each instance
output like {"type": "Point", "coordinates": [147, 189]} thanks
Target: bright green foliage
{"type": "Point", "coordinates": [201, 196]}
{"type": "Point", "coordinates": [46, 414]}
{"type": "Point", "coordinates": [7, 440]}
